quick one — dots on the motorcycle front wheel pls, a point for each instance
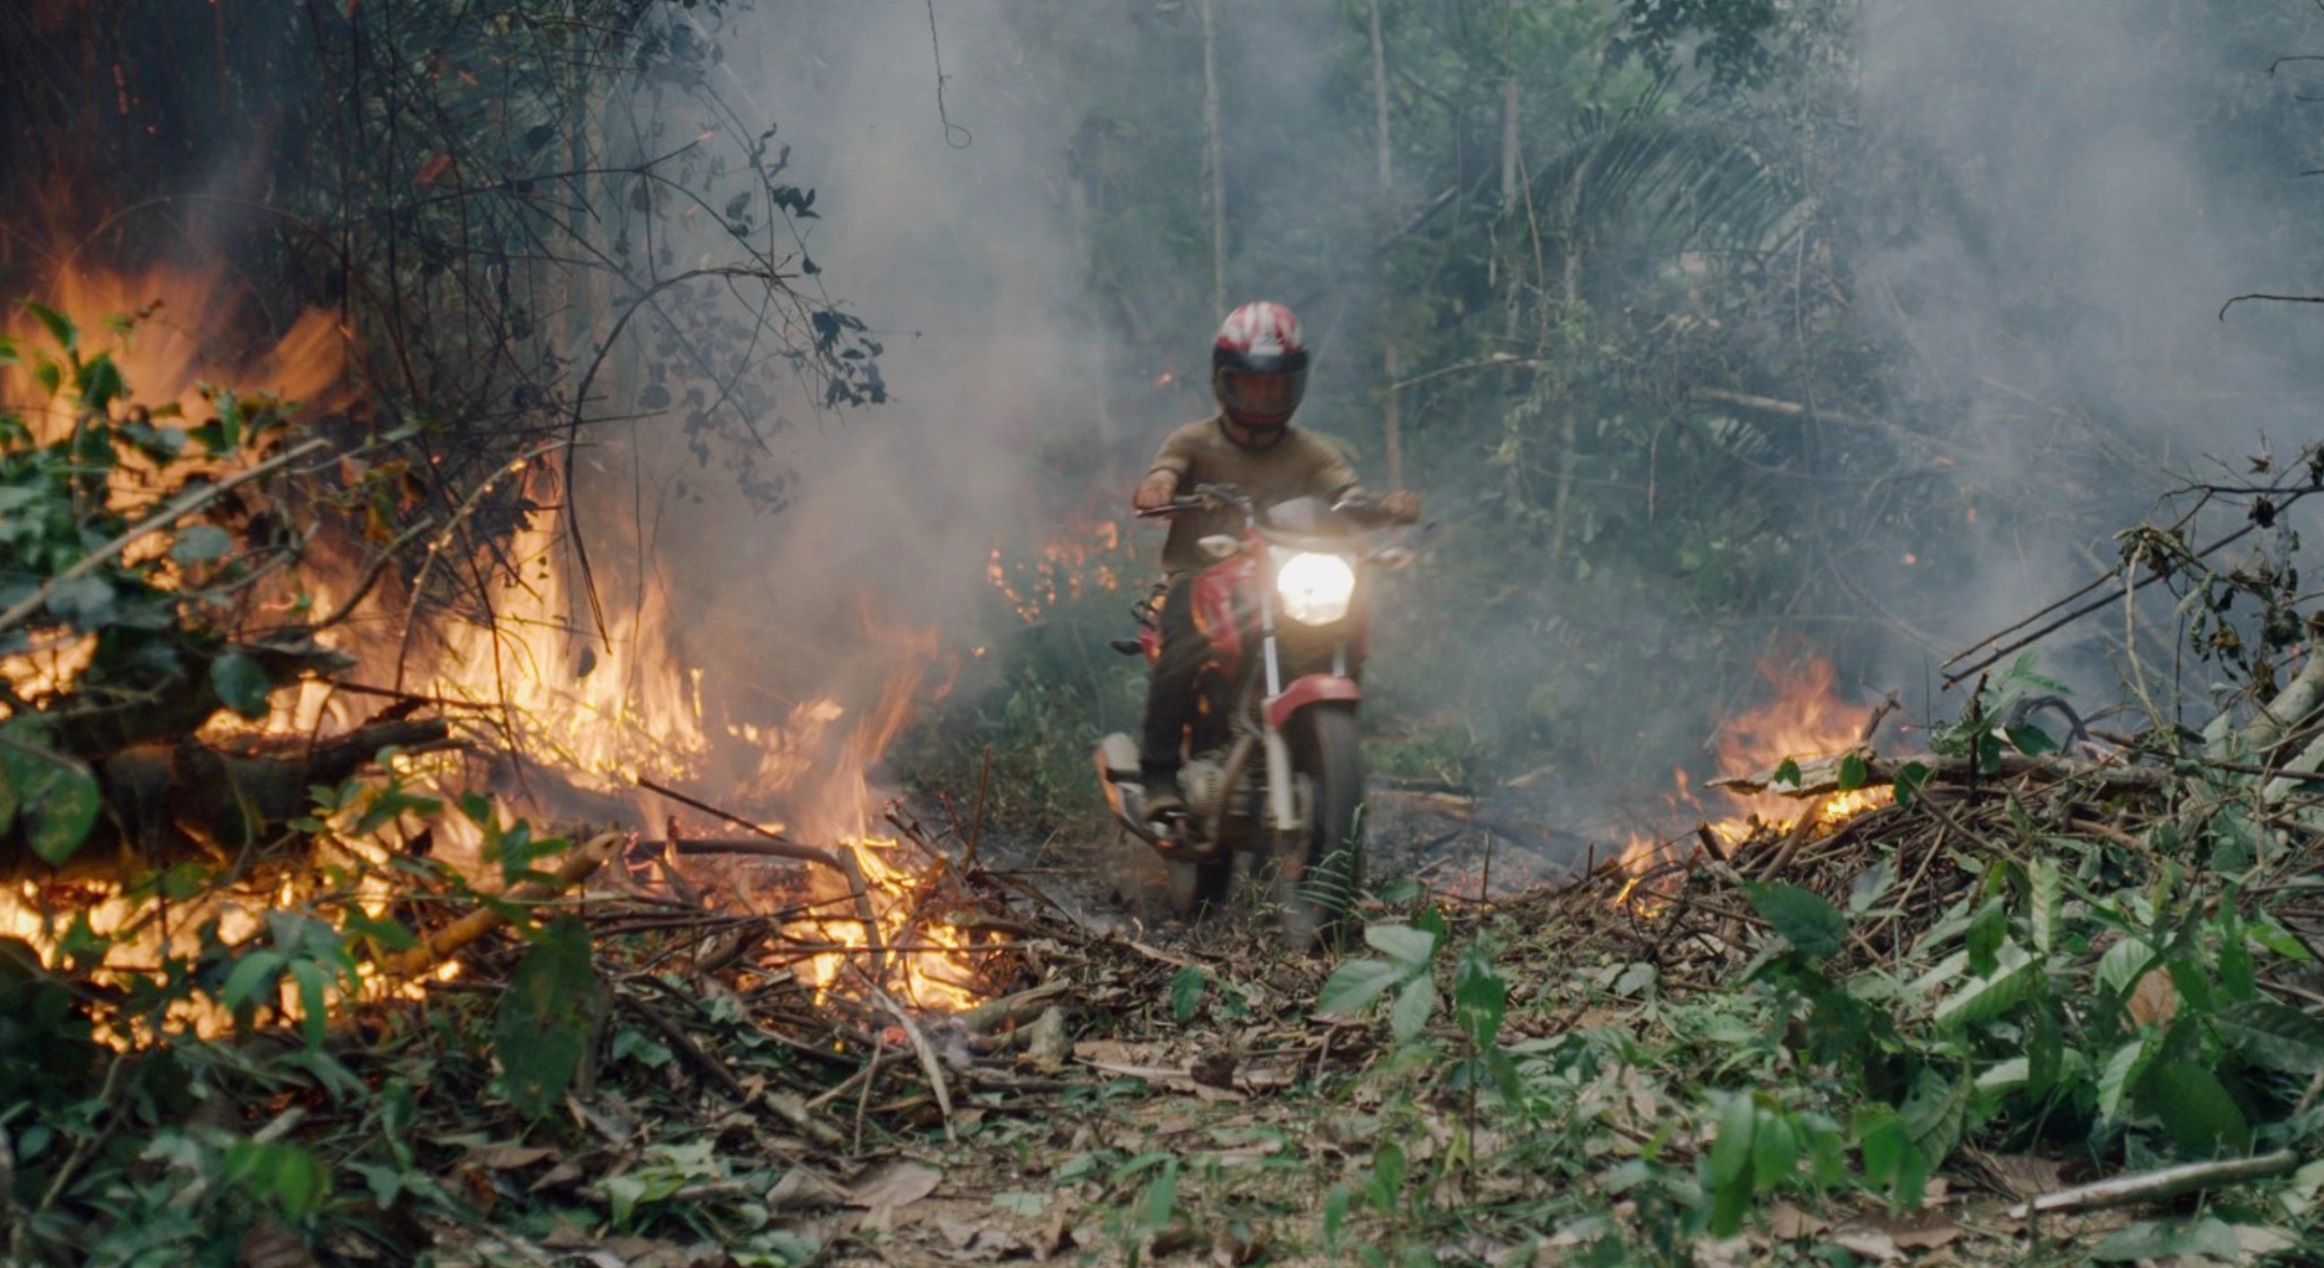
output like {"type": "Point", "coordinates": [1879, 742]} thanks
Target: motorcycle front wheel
{"type": "Point", "coordinates": [1199, 887]}
{"type": "Point", "coordinates": [1321, 868]}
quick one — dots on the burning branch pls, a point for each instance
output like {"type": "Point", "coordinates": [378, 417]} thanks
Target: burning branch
{"type": "Point", "coordinates": [776, 845]}
{"type": "Point", "coordinates": [440, 946]}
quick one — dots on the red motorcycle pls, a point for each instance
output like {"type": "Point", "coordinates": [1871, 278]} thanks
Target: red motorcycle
{"type": "Point", "coordinates": [1273, 770]}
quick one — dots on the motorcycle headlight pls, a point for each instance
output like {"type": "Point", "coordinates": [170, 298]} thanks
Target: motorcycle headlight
{"type": "Point", "coordinates": [1314, 588]}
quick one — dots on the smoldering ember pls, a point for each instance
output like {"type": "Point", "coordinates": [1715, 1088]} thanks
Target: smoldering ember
{"type": "Point", "coordinates": [1472, 632]}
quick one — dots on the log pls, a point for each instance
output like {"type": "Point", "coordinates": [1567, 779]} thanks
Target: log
{"type": "Point", "coordinates": [169, 801]}
{"type": "Point", "coordinates": [224, 797]}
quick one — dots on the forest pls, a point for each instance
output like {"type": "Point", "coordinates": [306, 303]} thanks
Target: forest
{"type": "Point", "coordinates": [562, 565]}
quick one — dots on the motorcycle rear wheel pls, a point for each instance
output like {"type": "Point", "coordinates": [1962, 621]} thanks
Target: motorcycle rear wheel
{"type": "Point", "coordinates": [1317, 884]}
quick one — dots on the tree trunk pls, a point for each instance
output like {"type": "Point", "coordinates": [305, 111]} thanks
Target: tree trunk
{"type": "Point", "coordinates": [1391, 356]}
{"type": "Point", "coordinates": [1508, 145]}
{"type": "Point", "coordinates": [1214, 177]}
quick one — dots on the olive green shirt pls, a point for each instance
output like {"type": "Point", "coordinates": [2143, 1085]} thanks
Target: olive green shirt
{"type": "Point", "coordinates": [1302, 464]}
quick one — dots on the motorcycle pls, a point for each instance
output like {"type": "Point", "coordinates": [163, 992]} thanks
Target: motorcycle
{"type": "Point", "coordinates": [1273, 772]}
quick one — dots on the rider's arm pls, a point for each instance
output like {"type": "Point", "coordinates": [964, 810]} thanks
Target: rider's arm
{"type": "Point", "coordinates": [1167, 472]}
{"type": "Point", "coordinates": [1336, 480]}
{"type": "Point", "coordinates": [1156, 490]}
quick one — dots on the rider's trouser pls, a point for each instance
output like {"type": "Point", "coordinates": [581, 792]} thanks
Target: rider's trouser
{"type": "Point", "coordinates": [1173, 692]}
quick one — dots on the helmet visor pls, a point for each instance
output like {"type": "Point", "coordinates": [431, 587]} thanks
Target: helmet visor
{"type": "Point", "coordinates": [1257, 399]}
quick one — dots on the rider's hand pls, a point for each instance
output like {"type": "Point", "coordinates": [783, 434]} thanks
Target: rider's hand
{"type": "Point", "coordinates": [1404, 508]}
{"type": "Point", "coordinates": [1155, 491]}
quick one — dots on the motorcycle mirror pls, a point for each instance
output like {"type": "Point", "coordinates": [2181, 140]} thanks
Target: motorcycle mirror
{"type": "Point", "coordinates": [1221, 546]}
{"type": "Point", "coordinates": [1395, 558]}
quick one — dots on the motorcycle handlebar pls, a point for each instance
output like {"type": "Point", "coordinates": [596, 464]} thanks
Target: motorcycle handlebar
{"type": "Point", "coordinates": [1207, 497]}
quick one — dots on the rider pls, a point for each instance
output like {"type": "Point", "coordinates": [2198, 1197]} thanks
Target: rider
{"type": "Point", "coordinates": [1258, 371]}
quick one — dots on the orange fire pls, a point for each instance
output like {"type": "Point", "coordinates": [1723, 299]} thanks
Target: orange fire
{"type": "Point", "coordinates": [601, 705]}
{"type": "Point", "coordinates": [1081, 560]}
{"type": "Point", "coordinates": [1805, 719]}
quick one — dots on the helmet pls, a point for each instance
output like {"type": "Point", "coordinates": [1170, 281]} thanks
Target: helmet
{"type": "Point", "coordinates": [1258, 366]}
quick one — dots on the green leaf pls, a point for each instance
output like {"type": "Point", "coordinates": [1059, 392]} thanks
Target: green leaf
{"type": "Point", "coordinates": [1870, 886]}
{"type": "Point", "coordinates": [630, 1044]}
{"type": "Point", "coordinates": [1988, 929]}
{"type": "Point", "coordinates": [2122, 1073]}
{"type": "Point", "coordinates": [1186, 988]}
{"type": "Point", "coordinates": [65, 805]}
{"type": "Point", "coordinates": [1731, 1151]}
{"type": "Point", "coordinates": [314, 1000]}
{"type": "Point", "coordinates": [2195, 1108]}
{"type": "Point", "coordinates": [2274, 1035]}
{"type": "Point", "coordinates": [1910, 779]}
{"type": "Point", "coordinates": [300, 1182]}
{"type": "Point", "coordinates": [1480, 998]}
{"type": "Point", "coordinates": [1855, 772]}
{"type": "Point", "coordinates": [1387, 1175]}
{"type": "Point", "coordinates": [2045, 1052]}
{"type": "Point", "coordinates": [1401, 943]}
{"type": "Point", "coordinates": [2123, 964]}
{"type": "Point", "coordinates": [1162, 1197]}
{"type": "Point", "coordinates": [1414, 1005]}
{"type": "Point", "coordinates": [1774, 1151]}
{"type": "Point", "coordinates": [2030, 740]}
{"type": "Point", "coordinates": [60, 327]}
{"type": "Point", "coordinates": [1355, 984]}
{"type": "Point", "coordinates": [242, 684]}
{"type": "Point", "coordinates": [99, 383]}
{"type": "Point", "coordinates": [1881, 1137]}
{"type": "Point", "coordinates": [200, 544]}
{"type": "Point", "coordinates": [2014, 977]}
{"type": "Point", "coordinates": [1786, 776]}
{"type": "Point", "coordinates": [2048, 902]}
{"type": "Point", "coordinates": [255, 972]}
{"type": "Point", "coordinates": [2238, 974]}
{"type": "Point", "coordinates": [1803, 917]}
{"type": "Point", "coordinates": [1988, 751]}
{"type": "Point", "coordinates": [85, 602]}
{"type": "Point", "coordinates": [545, 1015]}
{"type": "Point", "coordinates": [1933, 1116]}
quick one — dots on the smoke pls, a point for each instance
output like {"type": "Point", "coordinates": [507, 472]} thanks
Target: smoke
{"type": "Point", "coordinates": [2094, 180]}
{"type": "Point", "coordinates": [942, 232]}
{"type": "Point", "coordinates": [2045, 208]}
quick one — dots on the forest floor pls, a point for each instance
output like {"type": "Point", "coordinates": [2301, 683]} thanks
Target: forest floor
{"type": "Point", "coordinates": [1864, 1040]}
{"type": "Point", "coordinates": [1536, 1079]}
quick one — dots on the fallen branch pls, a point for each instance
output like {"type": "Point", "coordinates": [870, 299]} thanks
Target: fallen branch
{"type": "Point", "coordinates": [1021, 1007]}
{"type": "Point", "coordinates": [714, 1069]}
{"type": "Point", "coordinates": [445, 942]}
{"type": "Point", "coordinates": [776, 845]}
{"type": "Point", "coordinates": [2153, 1185]}
{"type": "Point", "coordinates": [928, 1062]}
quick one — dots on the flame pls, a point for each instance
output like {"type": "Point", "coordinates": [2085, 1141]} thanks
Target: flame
{"type": "Point", "coordinates": [1804, 719]}
{"type": "Point", "coordinates": [1082, 560]}
{"type": "Point", "coordinates": [613, 706]}
{"type": "Point", "coordinates": [604, 702]}
{"type": "Point", "coordinates": [165, 358]}
{"type": "Point", "coordinates": [165, 363]}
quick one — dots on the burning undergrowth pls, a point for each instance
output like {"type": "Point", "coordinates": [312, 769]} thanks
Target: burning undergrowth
{"type": "Point", "coordinates": [299, 627]}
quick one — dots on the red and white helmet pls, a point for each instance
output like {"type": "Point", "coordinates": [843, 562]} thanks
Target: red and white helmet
{"type": "Point", "coordinates": [1258, 366]}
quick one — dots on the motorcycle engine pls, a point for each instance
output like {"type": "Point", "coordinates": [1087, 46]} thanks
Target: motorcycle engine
{"type": "Point", "coordinates": [1202, 780]}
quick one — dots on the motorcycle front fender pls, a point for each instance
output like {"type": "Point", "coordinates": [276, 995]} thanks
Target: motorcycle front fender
{"type": "Point", "coordinates": [1310, 690]}
{"type": "Point", "coordinates": [1304, 693]}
